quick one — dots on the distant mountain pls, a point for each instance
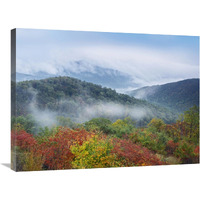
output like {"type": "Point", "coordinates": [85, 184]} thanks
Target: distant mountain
{"type": "Point", "coordinates": [36, 76]}
{"type": "Point", "coordinates": [86, 72]}
{"type": "Point", "coordinates": [105, 77]}
{"type": "Point", "coordinates": [82, 101]}
{"type": "Point", "coordinates": [178, 96]}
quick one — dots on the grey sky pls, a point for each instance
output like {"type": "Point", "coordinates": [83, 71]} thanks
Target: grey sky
{"type": "Point", "coordinates": [149, 59]}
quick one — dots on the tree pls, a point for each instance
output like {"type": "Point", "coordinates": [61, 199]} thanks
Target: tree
{"type": "Point", "coordinates": [191, 117]}
{"type": "Point", "coordinates": [27, 122]}
{"type": "Point", "coordinates": [65, 121]}
{"type": "Point", "coordinates": [98, 124]}
{"type": "Point", "coordinates": [123, 127]}
{"type": "Point", "coordinates": [156, 124]}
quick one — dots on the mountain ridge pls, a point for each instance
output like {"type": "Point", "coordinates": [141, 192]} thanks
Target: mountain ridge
{"type": "Point", "coordinates": [79, 99]}
{"type": "Point", "coordinates": [178, 96]}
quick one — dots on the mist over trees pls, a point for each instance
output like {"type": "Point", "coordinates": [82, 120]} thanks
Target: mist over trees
{"type": "Point", "coordinates": [82, 101]}
{"type": "Point", "coordinates": [101, 143]}
{"type": "Point", "coordinates": [65, 123]}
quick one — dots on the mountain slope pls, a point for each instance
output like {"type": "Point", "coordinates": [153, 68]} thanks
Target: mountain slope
{"type": "Point", "coordinates": [82, 101]}
{"type": "Point", "coordinates": [178, 96]}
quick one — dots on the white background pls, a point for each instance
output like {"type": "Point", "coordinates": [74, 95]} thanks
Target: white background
{"type": "Point", "coordinates": [160, 17]}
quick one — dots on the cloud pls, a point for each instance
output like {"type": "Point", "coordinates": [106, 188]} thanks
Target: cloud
{"type": "Point", "coordinates": [146, 66]}
{"type": "Point", "coordinates": [111, 110]}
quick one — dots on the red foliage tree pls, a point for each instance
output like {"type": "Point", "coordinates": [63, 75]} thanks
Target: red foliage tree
{"type": "Point", "coordinates": [131, 154]}
{"type": "Point", "coordinates": [171, 147]}
{"type": "Point", "coordinates": [57, 151]}
{"type": "Point", "coordinates": [23, 140]}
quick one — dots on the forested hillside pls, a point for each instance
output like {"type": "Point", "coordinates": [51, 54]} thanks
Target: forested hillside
{"type": "Point", "coordinates": [65, 123]}
{"type": "Point", "coordinates": [178, 96]}
{"type": "Point", "coordinates": [83, 101]}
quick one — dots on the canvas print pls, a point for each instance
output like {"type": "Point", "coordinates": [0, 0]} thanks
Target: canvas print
{"type": "Point", "coordinates": [85, 100]}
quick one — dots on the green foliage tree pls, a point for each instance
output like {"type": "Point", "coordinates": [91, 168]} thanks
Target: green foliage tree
{"type": "Point", "coordinates": [156, 124]}
{"type": "Point", "coordinates": [98, 124]}
{"type": "Point", "coordinates": [65, 121]}
{"type": "Point", "coordinates": [27, 123]}
{"type": "Point", "coordinates": [123, 127]}
{"type": "Point", "coordinates": [191, 117]}
{"type": "Point", "coordinates": [185, 152]}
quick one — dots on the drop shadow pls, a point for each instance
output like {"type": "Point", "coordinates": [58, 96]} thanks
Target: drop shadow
{"type": "Point", "coordinates": [6, 164]}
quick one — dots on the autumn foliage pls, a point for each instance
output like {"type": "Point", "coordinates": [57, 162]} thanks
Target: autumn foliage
{"type": "Point", "coordinates": [22, 139]}
{"type": "Point", "coordinates": [101, 144]}
{"type": "Point", "coordinates": [79, 149]}
{"type": "Point", "coordinates": [131, 154]}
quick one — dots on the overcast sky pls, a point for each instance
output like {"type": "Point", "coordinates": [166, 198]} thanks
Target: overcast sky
{"type": "Point", "coordinates": [149, 59]}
